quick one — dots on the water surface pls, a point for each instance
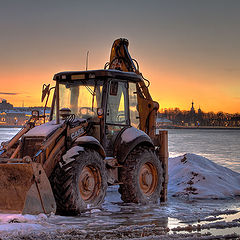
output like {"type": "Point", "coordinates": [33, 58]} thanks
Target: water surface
{"type": "Point", "coordinates": [220, 146]}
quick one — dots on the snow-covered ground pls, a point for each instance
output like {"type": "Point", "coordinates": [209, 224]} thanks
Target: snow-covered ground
{"type": "Point", "coordinates": [200, 191]}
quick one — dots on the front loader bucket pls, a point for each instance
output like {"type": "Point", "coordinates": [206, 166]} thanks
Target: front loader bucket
{"type": "Point", "coordinates": [25, 189]}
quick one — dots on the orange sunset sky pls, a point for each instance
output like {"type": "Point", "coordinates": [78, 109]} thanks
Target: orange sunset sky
{"type": "Point", "coordinates": [189, 50]}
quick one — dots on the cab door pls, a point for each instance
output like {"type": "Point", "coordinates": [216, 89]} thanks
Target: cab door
{"type": "Point", "coordinates": [117, 112]}
{"type": "Point", "coordinates": [133, 105]}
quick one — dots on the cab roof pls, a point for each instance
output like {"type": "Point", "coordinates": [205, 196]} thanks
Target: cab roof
{"type": "Point", "coordinates": [96, 74]}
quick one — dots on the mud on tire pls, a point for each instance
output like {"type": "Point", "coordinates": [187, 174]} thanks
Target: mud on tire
{"type": "Point", "coordinates": [142, 177]}
{"type": "Point", "coordinates": [79, 182]}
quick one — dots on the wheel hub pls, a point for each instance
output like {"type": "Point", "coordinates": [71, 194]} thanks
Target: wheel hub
{"type": "Point", "coordinates": [148, 178]}
{"type": "Point", "coordinates": [89, 183]}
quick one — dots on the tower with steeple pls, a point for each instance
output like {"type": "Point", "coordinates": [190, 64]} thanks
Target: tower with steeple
{"type": "Point", "coordinates": [199, 111]}
{"type": "Point", "coordinates": [200, 116]}
{"type": "Point", "coordinates": [192, 115]}
{"type": "Point", "coordinates": [192, 111]}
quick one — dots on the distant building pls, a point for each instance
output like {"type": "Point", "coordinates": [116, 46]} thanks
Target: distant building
{"type": "Point", "coordinates": [10, 116]}
{"type": "Point", "coordinates": [13, 118]}
{"type": "Point", "coordinates": [198, 118]}
{"type": "Point", "coordinates": [4, 105]}
{"type": "Point", "coordinates": [192, 111]}
{"type": "Point", "coordinates": [162, 122]}
{"type": "Point", "coordinates": [192, 116]}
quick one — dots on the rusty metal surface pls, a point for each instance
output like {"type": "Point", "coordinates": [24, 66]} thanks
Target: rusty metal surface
{"type": "Point", "coordinates": [16, 151]}
{"type": "Point", "coordinates": [24, 188]}
{"type": "Point", "coordinates": [31, 145]}
{"type": "Point", "coordinates": [15, 181]}
{"type": "Point", "coordinates": [162, 152]}
{"type": "Point", "coordinates": [40, 197]}
{"type": "Point", "coordinates": [112, 166]}
{"type": "Point", "coordinates": [147, 112]}
{"type": "Point", "coordinates": [89, 183]}
{"type": "Point", "coordinates": [148, 178]}
{"type": "Point", "coordinates": [54, 156]}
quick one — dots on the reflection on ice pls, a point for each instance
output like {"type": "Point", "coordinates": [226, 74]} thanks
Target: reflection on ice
{"type": "Point", "coordinates": [115, 214]}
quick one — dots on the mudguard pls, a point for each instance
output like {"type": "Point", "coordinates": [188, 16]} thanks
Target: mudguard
{"type": "Point", "coordinates": [127, 140]}
{"type": "Point", "coordinates": [91, 142]}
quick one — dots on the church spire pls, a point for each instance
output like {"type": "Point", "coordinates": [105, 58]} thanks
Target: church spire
{"type": "Point", "coordinates": [199, 110]}
{"type": "Point", "coordinates": [192, 109]}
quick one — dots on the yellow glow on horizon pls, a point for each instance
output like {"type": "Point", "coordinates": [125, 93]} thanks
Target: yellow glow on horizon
{"type": "Point", "coordinates": [169, 88]}
{"type": "Point", "coordinates": [25, 89]}
{"type": "Point", "coordinates": [174, 91]}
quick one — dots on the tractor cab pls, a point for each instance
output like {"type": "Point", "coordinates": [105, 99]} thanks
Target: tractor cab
{"type": "Point", "coordinates": [106, 99]}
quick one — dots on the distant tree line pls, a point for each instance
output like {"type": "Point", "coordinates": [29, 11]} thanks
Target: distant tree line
{"type": "Point", "coordinates": [199, 118]}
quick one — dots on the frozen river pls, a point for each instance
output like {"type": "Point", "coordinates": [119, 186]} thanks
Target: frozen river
{"type": "Point", "coordinates": [220, 146]}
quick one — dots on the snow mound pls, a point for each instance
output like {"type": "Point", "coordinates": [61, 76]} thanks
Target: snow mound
{"type": "Point", "coordinates": [196, 177]}
{"type": "Point", "coordinates": [22, 223]}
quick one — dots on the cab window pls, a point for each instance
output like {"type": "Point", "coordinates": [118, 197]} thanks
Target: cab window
{"type": "Point", "coordinates": [133, 107]}
{"type": "Point", "coordinates": [117, 104]}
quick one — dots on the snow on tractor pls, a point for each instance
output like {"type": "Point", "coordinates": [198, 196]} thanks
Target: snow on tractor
{"type": "Point", "coordinates": [101, 132]}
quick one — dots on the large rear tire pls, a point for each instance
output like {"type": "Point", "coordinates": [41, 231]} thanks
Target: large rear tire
{"type": "Point", "coordinates": [79, 182]}
{"type": "Point", "coordinates": [141, 177]}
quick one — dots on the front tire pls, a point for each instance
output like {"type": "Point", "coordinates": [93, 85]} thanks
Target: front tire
{"type": "Point", "coordinates": [141, 177]}
{"type": "Point", "coordinates": [79, 182]}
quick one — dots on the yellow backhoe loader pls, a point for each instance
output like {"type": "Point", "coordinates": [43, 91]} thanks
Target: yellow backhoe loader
{"type": "Point", "coordinates": [101, 132]}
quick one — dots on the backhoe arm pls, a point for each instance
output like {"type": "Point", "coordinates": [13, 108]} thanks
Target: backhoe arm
{"type": "Point", "coordinates": [120, 59]}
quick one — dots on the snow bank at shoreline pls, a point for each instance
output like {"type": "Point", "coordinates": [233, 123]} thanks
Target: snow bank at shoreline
{"type": "Point", "coordinates": [195, 177]}
{"type": "Point", "coordinates": [19, 223]}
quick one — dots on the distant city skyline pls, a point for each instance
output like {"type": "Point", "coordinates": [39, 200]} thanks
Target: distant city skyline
{"type": "Point", "coordinates": [160, 109]}
{"type": "Point", "coordinates": [187, 49]}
